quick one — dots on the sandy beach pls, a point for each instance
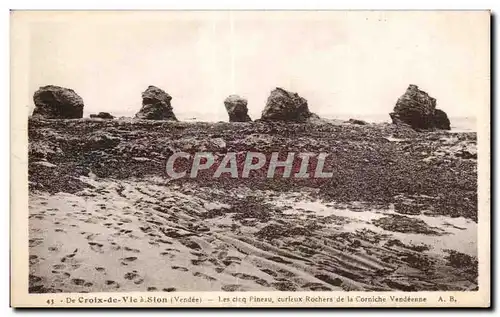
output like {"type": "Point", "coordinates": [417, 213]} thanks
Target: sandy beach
{"type": "Point", "coordinates": [399, 213]}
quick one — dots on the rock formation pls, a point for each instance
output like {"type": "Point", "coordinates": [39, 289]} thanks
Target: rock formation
{"type": "Point", "coordinates": [156, 105]}
{"type": "Point", "coordinates": [236, 108]}
{"type": "Point", "coordinates": [283, 105]}
{"type": "Point", "coordinates": [417, 109]}
{"type": "Point", "coordinates": [54, 102]}
{"type": "Point", "coordinates": [441, 120]}
{"type": "Point", "coordinates": [102, 115]}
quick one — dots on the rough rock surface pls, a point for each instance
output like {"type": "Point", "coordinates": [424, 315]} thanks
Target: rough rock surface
{"type": "Point", "coordinates": [441, 120]}
{"type": "Point", "coordinates": [103, 214]}
{"type": "Point", "coordinates": [357, 121]}
{"type": "Point", "coordinates": [236, 108]}
{"type": "Point", "coordinates": [102, 115]}
{"type": "Point", "coordinates": [54, 102]}
{"type": "Point", "coordinates": [283, 105]}
{"type": "Point", "coordinates": [417, 109]}
{"type": "Point", "coordinates": [156, 105]}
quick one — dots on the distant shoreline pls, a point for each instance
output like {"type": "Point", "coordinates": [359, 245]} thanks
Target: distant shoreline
{"type": "Point", "coordinates": [458, 124]}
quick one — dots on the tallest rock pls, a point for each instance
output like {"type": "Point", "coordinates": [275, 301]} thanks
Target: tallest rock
{"type": "Point", "coordinates": [417, 109]}
{"type": "Point", "coordinates": [156, 105]}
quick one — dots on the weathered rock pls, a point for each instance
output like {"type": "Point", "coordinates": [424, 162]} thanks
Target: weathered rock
{"type": "Point", "coordinates": [283, 105]}
{"type": "Point", "coordinates": [101, 140]}
{"type": "Point", "coordinates": [236, 108]}
{"type": "Point", "coordinates": [156, 105]}
{"type": "Point", "coordinates": [44, 164]}
{"type": "Point", "coordinates": [102, 115]}
{"type": "Point", "coordinates": [417, 109]}
{"type": "Point", "coordinates": [54, 102]}
{"type": "Point", "coordinates": [399, 223]}
{"type": "Point", "coordinates": [356, 121]}
{"type": "Point", "coordinates": [441, 120]}
{"type": "Point", "coordinates": [466, 154]}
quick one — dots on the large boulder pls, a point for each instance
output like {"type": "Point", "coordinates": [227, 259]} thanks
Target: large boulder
{"type": "Point", "coordinates": [156, 105]}
{"type": "Point", "coordinates": [417, 109]}
{"type": "Point", "coordinates": [288, 106]}
{"type": "Point", "coordinates": [102, 115]}
{"type": "Point", "coordinates": [54, 102]}
{"type": "Point", "coordinates": [236, 108]}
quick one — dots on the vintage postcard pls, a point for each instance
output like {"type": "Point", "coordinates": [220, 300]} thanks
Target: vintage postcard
{"type": "Point", "coordinates": [250, 158]}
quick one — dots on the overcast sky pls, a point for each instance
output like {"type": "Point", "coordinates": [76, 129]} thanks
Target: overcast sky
{"type": "Point", "coordinates": [341, 62]}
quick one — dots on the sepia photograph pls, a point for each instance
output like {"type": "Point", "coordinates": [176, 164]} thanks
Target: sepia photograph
{"type": "Point", "coordinates": [250, 158]}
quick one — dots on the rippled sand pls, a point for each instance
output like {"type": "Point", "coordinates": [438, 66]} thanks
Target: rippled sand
{"type": "Point", "coordinates": [154, 236]}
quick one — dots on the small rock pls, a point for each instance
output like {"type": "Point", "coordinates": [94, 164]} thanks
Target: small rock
{"type": "Point", "coordinates": [44, 163]}
{"type": "Point", "coordinates": [356, 121]}
{"type": "Point", "coordinates": [102, 139]}
{"type": "Point", "coordinates": [466, 155]}
{"type": "Point", "coordinates": [102, 115]}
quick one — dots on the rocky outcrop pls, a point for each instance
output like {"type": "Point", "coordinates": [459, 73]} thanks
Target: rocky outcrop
{"type": "Point", "coordinates": [102, 115]}
{"type": "Point", "coordinates": [288, 106]}
{"type": "Point", "coordinates": [156, 105]}
{"type": "Point", "coordinates": [54, 102]}
{"type": "Point", "coordinates": [417, 109]}
{"type": "Point", "coordinates": [236, 108]}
